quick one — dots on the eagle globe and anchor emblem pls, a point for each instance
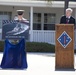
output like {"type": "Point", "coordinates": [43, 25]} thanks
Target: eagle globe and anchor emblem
{"type": "Point", "coordinates": [64, 39]}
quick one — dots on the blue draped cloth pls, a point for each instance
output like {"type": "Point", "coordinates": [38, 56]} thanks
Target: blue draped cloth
{"type": "Point", "coordinates": [14, 55]}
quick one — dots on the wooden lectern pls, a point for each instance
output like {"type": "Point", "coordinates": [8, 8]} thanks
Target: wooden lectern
{"type": "Point", "coordinates": [64, 48]}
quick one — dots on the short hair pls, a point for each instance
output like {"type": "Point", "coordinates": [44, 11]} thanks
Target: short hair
{"type": "Point", "coordinates": [69, 9]}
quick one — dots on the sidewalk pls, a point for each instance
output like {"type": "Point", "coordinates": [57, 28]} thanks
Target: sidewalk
{"type": "Point", "coordinates": [39, 64]}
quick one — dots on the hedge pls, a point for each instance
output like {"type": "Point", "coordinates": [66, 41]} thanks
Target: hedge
{"type": "Point", "coordinates": [34, 47]}
{"type": "Point", "coordinates": [1, 46]}
{"type": "Point", "coordinates": [39, 47]}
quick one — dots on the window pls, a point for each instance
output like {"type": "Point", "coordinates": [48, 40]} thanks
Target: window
{"type": "Point", "coordinates": [44, 21]}
{"type": "Point", "coordinates": [49, 21]}
{"type": "Point", "coordinates": [37, 21]}
{"type": "Point", "coordinates": [4, 16]}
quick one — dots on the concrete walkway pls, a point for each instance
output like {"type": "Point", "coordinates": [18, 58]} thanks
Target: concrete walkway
{"type": "Point", "coordinates": [39, 64]}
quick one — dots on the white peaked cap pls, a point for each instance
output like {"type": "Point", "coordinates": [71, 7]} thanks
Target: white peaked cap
{"type": "Point", "coordinates": [20, 10]}
{"type": "Point", "coordinates": [69, 9]}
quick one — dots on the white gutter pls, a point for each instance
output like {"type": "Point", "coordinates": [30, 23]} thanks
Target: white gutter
{"type": "Point", "coordinates": [57, 4]}
{"type": "Point", "coordinates": [30, 3]}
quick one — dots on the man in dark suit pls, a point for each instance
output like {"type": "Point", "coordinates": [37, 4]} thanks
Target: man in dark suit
{"type": "Point", "coordinates": [68, 19]}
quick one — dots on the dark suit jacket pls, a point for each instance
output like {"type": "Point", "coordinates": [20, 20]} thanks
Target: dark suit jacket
{"type": "Point", "coordinates": [63, 20]}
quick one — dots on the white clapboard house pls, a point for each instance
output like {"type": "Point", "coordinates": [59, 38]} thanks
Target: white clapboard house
{"type": "Point", "coordinates": [42, 15]}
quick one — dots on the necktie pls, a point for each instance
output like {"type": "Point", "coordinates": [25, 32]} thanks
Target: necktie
{"type": "Point", "coordinates": [67, 20]}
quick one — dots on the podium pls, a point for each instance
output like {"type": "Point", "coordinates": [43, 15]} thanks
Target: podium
{"type": "Point", "coordinates": [64, 48]}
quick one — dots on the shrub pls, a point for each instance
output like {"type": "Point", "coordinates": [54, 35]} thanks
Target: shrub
{"type": "Point", "coordinates": [39, 47]}
{"type": "Point", "coordinates": [1, 46]}
{"type": "Point", "coordinates": [34, 47]}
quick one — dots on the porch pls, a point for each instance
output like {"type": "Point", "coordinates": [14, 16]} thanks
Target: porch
{"type": "Point", "coordinates": [42, 16]}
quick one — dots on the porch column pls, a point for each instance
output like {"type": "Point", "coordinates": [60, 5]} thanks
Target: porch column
{"type": "Point", "coordinates": [31, 24]}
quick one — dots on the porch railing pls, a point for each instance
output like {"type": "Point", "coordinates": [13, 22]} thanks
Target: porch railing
{"type": "Point", "coordinates": [44, 36]}
{"type": "Point", "coordinates": [47, 37]}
